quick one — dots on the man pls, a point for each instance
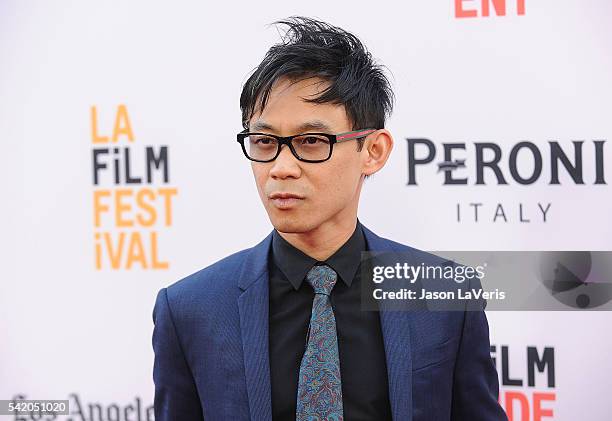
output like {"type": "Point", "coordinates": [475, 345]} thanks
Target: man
{"type": "Point", "coordinates": [276, 331]}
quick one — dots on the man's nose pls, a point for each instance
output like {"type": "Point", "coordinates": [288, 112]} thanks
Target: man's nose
{"type": "Point", "coordinates": [285, 165]}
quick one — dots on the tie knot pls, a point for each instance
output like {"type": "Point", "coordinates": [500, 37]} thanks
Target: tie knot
{"type": "Point", "coordinates": [322, 279]}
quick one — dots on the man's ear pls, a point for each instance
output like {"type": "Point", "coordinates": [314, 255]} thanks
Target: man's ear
{"type": "Point", "coordinates": [376, 150]}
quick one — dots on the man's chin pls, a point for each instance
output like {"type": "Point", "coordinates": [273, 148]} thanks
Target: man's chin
{"type": "Point", "coordinates": [291, 225]}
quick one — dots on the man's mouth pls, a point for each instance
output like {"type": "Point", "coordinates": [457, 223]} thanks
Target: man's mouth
{"type": "Point", "coordinates": [285, 200]}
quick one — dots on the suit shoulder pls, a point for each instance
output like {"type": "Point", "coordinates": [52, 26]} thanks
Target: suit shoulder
{"type": "Point", "coordinates": [216, 279]}
{"type": "Point", "coordinates": [418, 255]}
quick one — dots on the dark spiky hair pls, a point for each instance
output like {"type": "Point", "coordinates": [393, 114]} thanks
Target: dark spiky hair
{"type": "Point", "coordinates": [312, 48]}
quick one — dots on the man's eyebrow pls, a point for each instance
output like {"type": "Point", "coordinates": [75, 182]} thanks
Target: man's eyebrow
{"type": "Point", "coordinates": [262, 125]}
{"type": "Point", "coordinates": [313, 125]}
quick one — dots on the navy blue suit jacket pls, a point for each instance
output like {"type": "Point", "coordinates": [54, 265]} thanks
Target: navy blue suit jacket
{"type": "Point", "coordinates": [211, 349]}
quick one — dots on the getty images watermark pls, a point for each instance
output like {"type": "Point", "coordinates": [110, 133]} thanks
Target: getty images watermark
{"type": "Point", "coordinates": [497, 280]}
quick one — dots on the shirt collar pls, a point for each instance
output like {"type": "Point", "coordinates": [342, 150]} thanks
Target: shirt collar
{"type": "Point", "coordinates": [295, 264]}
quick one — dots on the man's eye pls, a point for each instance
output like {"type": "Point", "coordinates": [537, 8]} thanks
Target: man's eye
{"type": "Point", "coordinates": [313, 140]}
{"type": "Point", "coordinates": [263, 140]}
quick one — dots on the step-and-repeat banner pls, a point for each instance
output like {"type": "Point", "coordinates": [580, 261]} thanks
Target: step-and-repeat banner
{"type": "Point", "coordinates": [120, 174]}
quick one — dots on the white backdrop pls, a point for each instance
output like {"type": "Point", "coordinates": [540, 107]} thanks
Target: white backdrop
{"type": "Point", "coordinates": [173, 71]}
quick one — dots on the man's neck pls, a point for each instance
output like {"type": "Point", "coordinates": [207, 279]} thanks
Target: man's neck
{"type": "Point", "coordinates": [323, 241]}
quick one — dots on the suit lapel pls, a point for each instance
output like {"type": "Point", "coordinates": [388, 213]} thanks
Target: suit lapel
{"type": "Point", "coordinates": [395, 326]}
{"type": "Point", "coordinates": [253, 306]}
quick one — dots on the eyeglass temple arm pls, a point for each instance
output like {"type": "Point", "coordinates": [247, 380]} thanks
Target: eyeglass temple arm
{"type": "Point", "coordinates": [353, 135]}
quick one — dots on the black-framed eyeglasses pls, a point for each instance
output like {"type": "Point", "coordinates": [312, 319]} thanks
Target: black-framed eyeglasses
{"type": "Point", "coordinates": [307, 147]}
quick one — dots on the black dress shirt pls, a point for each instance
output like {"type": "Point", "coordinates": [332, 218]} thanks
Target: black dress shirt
{"type": "Point", "coordinates": [363, 368]}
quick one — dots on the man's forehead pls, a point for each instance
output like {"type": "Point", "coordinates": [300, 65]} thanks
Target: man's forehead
{"type": "Point", "coordinates": [300, 114]}
{"type": "Point", "coordinates": [296, 91]}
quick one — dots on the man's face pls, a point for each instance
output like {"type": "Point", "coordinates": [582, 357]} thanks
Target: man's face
{"type": "Point", "coordinates": [327, 192]}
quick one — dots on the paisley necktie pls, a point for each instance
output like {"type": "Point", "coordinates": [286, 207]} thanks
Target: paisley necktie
{"type": "Point", "coordinates": [319, 394]}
